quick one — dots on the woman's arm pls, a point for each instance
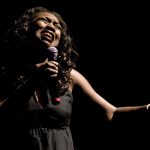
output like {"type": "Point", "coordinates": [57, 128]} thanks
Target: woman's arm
{"type": "Point", "coordinates": [110, 109]}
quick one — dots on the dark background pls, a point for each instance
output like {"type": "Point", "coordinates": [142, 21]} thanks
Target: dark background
{"type": "Point", "coordinates": [113, 42]}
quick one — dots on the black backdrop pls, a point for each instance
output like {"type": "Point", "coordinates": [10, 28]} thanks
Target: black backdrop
{"type": "Point", "coordinates": [112, 40]}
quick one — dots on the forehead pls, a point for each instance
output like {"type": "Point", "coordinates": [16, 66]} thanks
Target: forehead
{"type": "Point", "coordinates": [46, 14]}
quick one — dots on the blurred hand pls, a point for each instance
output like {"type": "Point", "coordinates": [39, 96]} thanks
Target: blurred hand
{"type": "Point", "coordinates": [49, 68]}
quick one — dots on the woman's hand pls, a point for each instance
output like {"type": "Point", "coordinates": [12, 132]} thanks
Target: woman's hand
{"type": "Point", "coordinates": [49, 68]}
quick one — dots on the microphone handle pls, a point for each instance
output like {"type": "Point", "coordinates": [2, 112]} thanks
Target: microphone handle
{"type": "Point", "coordinates": [52, 55]}
{"type": "Point", "coordinates": [55, 98]}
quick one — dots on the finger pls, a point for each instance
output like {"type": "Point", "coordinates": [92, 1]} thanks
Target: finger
{"type": "Point", "coordinates": [51, 70]}
{"type": "Point", "coordinates": [53, 65]}
{"type": "Point", "coordinates": [41, 64]}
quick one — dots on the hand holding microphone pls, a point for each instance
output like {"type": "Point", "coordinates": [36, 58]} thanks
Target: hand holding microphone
{"type": "Point", "coordinates": [52, 54]}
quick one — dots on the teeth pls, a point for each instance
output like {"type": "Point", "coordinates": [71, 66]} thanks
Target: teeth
{"type": "Point", "coordinates": [48, 35]}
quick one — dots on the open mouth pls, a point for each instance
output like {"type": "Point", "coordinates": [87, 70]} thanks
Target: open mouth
{"type": "Point", "coordinates": [48, 35]}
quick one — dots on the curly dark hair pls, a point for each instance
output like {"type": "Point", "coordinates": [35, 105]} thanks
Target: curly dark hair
{"type": "Point", "coordinates": [19, 39]}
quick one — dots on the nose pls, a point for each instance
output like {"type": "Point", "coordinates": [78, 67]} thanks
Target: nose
{"type": "Point", "coordinates": [50, 26]}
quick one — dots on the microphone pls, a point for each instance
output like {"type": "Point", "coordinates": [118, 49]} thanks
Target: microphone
{"type": "Point", "coordinates": [52, 53]}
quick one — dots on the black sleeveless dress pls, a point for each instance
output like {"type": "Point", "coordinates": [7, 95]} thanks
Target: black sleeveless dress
{"type": "Point", "coordinates": [46, 128]}
{"type": "Point", "coordinates": [36, 127]}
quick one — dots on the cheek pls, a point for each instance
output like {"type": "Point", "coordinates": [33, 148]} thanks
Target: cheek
{"type": "Point", "coordinates": [57, 40]}
{"type": "Point", "coordinates": [39, 25]}
{"type": "Point", "coordinates": [38, 33]}
{"type": "Point", "coordinates": [58, 33]}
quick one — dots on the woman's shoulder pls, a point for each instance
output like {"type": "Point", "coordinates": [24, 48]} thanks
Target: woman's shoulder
{"type": "Point", "coordinates": [74, 74]}
{"type": "Point", "coordinates": [74, 77]}
{"type": "Point", "coordinates": [77, 77]}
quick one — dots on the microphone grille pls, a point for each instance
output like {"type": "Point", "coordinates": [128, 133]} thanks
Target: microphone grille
{"type": "Point", "coordinates": [53, 53]}
{"type": "Point", "coordinates": [53, 49]}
